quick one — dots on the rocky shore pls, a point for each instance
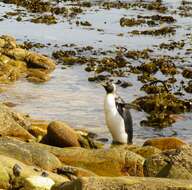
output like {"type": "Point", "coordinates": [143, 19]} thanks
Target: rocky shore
{"type": "Point", "coordinates": [42, 155]}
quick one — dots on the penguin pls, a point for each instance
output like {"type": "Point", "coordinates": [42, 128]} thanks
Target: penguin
{"type": "Point", "coordinates": [117, 116]}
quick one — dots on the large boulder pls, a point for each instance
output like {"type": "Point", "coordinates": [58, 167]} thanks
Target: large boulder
{"type": "Point", "coordinates": [62, 135]}
{"type": "Point", "coordinates": [172, 164]}
{"type": "Point", "coordinates": [165, 143]}
{"type": "Point", "coordinates": [13, 124]}
{"type": "Point", "coordinates": [126, 183]}
{"type": "Point", "coordinates": [28, 153]}
{"type": "Point", "coordinates": [104, 162]}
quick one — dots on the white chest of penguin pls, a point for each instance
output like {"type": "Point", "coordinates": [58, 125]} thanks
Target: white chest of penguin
{"type": "Point", "coordinates": [114, 121]}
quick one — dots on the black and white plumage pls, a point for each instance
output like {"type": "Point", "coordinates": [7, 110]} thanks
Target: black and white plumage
{"type": "Point", "coordinates": [117, 116]}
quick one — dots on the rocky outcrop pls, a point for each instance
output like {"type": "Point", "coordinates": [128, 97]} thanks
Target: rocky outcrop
{"type": "Point", "coordinates": [132, 183]}
{"type": "Point", "coordinates": [16, 62]}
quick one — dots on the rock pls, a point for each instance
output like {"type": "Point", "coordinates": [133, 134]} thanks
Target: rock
{"type": "Point", "coordinates": [171, 163]}
{"type": "Point", "coordinates": [165, 143]}
{"type": "Point", "coordinates": [35, 60]}
{"type": "Point", "coordinates": [87, 142]}
{"type": "Point", "coordinates": [12, 71]}
{"type": "Point", "coordinates": [146, 151]}
{"type": "Point", "coordinates": [28, 153]}
{"type": "Point", "coordinates": [37, 183]}
{"type": "Point", "coordinates": [4, 59]}
{"type": "Point", "coordinates": [74, 172]}
{"type": "Point", "coordinates": [62, 135]}
{"type": "Point", "coordinates": [104, 162]}
{"type": "Point", "coordinates": [16, 53]}
{"type": "Point", "coordinates": [38, 127]}
{"type": "Point", "coordinates": [13, 124]}
{"type": "Point", "coordinates": [37, 76]}
{"type": "Point", "coordinates": [7, 42]}
{"type": "Point", "coordinates": [126, 183]}
{"type": "Point", "coordinates": [7, 178]}
{"type": "Point", "coordinates": [4, 177]}
{"type": "Point", "coordinates": [14, 62]}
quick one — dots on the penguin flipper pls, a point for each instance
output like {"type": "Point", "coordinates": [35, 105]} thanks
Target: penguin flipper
{"type": "Point", "coordinates": [123, 110]}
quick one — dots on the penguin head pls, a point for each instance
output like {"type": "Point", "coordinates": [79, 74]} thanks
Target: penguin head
{"type": "Point", "coordinates": [109, 87]}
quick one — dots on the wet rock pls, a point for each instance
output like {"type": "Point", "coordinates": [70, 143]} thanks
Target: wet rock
{"type": "Point", "coordinates": [131, 22]}
{"type": "Point", "coordinates": [187, 73]}
{"type": "Point", "coordinates": [12, 71]}
{"type": "Point", "coordinates": [16, 62]}
{"type": "Point", "coordinates": [175, 163]}
{"type": "Point", "coordinates": [35, 60]}
{"type": "Point", "coordinates": [85, 23]}
{"type": "Point", "coordinates": [160, 107]}
{"type": "Point", "coordinates": [4, 59]}
{"type": "Point", "coordinates": [156, 32]}
{"type": "Point", "coordinates": [46, 19]}
{"type": "Point", "coordinates": [88, 142]}
{"type": "Point", "coordinates": [62, 135]}
{"type": "Point", "coordinates": [188, 88]}
{"type": "Point", "coordinates": [16, 53]}
{"type": "Point", "coordinates": [160, 18]}
{"type": "Point", "coordinates": [165, 143]}
{"type": "Point", "coordinates": [138, 54]}
{"type": "Point", "coordinates": [7, 42]}
{"type": "Point", "coordinates": [13, 124]}
{"type": "Point", "coordinates": [152, 5]}
{"type": "Point", "coordinates": [172, 45]}
{"type": "Point", "coordinates": [133, 183]}
{"type": "Point", "coordinates": [28, 153]}
{"type": "Point", "coordinates": [36, 75]}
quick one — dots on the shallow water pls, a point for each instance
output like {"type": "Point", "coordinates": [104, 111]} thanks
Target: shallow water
{"type": "Point", "coordinates": [69, 96]}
